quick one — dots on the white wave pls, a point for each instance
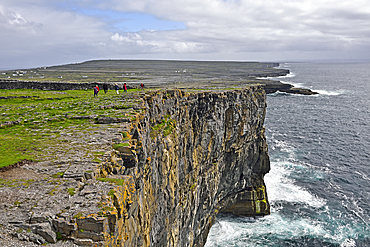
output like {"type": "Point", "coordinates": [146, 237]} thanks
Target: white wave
{"type": "Point", "coordinates": [278, 184]}
{"type": "Point", "coordinates": [281, 144]}
{"type": "Point", "coordinates": [290, 75]}
{"type": "Point", "coordinates": [278, 93]}
{"type": "Point", "coordinates": [300, 85]}
{"type": "Point", "coordinates": [330, 93]}
{"type": "Point", "coordinates": [277, 78]}
{"type": "Point", "coordinates": [222, 231]}
{"type": "Point", "coordinates": [348, 243]}
{"type": "Point", "coordinates": [281, 188]}
{"type": "Point", "coordinates": [233, 232]}
{"type": "Point", "coordinates": [282, 227]}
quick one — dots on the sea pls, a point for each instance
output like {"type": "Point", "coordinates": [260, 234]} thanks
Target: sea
{"type": "Point", "coordinates": [319, 147]}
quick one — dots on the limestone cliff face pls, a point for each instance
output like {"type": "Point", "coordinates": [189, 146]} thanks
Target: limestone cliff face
{"type": "Point", "coordinates": [191, 156]}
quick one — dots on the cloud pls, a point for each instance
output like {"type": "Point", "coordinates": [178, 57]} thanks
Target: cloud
{"type": "Point", "coordinates": [151, 42]}
{"type": "Point", "coordinates": [281, 21]}
{"type": "Point", "coordinates": [66, 31]}
{"type": "Point", "coordinates": [40, 35]}
{"type": "Point", "coordinates": [12, 21]}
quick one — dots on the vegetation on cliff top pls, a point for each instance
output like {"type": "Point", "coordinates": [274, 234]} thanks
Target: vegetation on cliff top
{"type": "Point", "coordinates": [34, 120]}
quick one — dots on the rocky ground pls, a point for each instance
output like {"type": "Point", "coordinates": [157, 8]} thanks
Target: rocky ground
{"type": "Point", "coordinates": [41, 202]}
{"type": "Point", "coordinates": [36, 193]}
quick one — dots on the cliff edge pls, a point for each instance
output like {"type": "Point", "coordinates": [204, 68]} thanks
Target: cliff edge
{"type": "Point", "coordinates": [191, 156]}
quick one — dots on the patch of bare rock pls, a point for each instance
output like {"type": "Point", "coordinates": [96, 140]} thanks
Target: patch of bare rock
{"type": "Point", "coordinates": [43, 202]}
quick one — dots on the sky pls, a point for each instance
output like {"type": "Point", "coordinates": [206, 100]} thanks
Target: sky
{"type": "Point", "coordinates": [51, 32]}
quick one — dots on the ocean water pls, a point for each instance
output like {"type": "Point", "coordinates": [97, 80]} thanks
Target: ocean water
{"type": "Point", "coordinates": [319, 146]}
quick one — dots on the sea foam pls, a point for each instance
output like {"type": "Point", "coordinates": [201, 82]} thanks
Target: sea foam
{"type": "Point", "coordinates": [330, 93]}
{"type": "Point", "coordinates": [282, 188]}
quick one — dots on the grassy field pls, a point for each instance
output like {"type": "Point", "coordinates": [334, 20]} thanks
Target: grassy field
{"type": "Point", "coordinates": [33, 120]}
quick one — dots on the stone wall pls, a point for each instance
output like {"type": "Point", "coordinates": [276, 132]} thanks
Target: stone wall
{"type": "Point", "coordinates": [190, 156]}
{"type": "Point", "coordinates": [49, 85]}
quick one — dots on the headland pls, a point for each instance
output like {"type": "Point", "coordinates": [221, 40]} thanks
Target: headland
{"type": "Point", "coordinates": [147, 167]}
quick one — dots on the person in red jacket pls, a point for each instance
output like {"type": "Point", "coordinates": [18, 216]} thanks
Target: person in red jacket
{"type": "Point", "coordinates": [96, 90]}
{"type": "Point", "coordinates": [125, 87]}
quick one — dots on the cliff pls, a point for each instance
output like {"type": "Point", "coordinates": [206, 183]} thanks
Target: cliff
{"type": "Point", "coordinates": [173, 167]}
{"type": "Point", "coordinates": [191, 156]}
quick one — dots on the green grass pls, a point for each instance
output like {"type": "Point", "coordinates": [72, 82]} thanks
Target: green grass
{"type": "Point", "coordinates": [192, 187]}
{"type": "Point", "coordinates": [15, 182]}
{"type": "Point", "coordinates": [58, 175]}
{"type": "Point", "coordinates": [14, 149]}
{"type": "Point", "coordinates": [71, 191]}
{"type": "Point", "coordinates": [124, 134]}
{"type": "Point", "coordinates": [166, 126]}
{"type": "Point", "coordinates": [44, 114]}
{"type": "Point", "coordinates": [97, 156]}
{"type": "Point", "coordinates": [108, 208]}
{"type": "Point", "coordinates": [26, 141]}
{"type": "Point", "coordinates": [118, 145]}
{"type": "Point", "coordinates": [111, 193]}
{"type": "Point", "coordinates": [115, 181]}
{"type": "Point", "coordinates": [77, 216]}
{"type": "Point", "coordinates": [17, 203]}
{"type": "Point", "coordinates": [59, 236]}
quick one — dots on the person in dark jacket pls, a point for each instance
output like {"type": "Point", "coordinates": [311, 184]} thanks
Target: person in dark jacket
{"type": "Point", "coordinates": [117, 88]}
{"type": "Point", "coordinates": [105, 87]}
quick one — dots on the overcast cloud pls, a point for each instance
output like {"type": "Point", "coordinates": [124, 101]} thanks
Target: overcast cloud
{"type": "Point", "coordinates": [47, 32]}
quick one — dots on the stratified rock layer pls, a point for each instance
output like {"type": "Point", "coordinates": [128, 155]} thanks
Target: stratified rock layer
{"type": "Point", "coordinates": [192, 156]}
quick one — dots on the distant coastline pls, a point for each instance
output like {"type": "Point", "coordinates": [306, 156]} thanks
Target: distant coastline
{"type": "Point", "coordinates": [269, 86]}
{"type": "Point", "coordinates": [198, 75]}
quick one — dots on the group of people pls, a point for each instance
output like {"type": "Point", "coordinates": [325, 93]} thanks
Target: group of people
{"type": "Point", "coordinates": [116, 87]}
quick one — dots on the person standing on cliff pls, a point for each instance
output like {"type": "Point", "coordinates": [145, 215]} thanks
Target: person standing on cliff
{"type": "Point", "coordinates": [105, 87]}
{"type": "Point", "coordinates": [96, 90]}
{"type": "Point", "coordinates": [125, 87]}
{"type": "Point", "coordinates": [117, 88]}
